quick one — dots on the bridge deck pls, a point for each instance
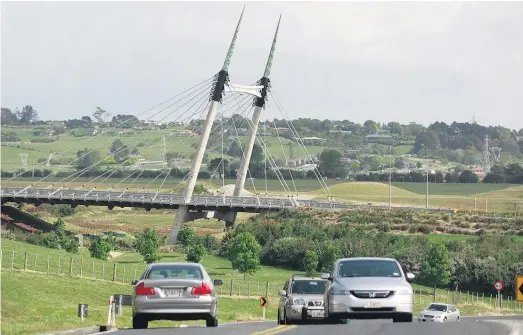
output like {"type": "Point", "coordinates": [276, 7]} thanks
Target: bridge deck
{"type": "Point", "coordinates": [150, 200]}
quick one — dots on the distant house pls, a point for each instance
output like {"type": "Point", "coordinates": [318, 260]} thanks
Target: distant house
{"type": "Point", "coordinates": [379, 136]}
{"type": "Point", "coordinates": [55, 124]}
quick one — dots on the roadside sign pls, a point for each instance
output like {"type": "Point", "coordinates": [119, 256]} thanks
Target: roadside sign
{"type": "Point", "coordinates": [519, 288]}
{"type": "Point", "coordinates": [499, 286]}
{"type": "Point", "coordinates": [264, 301]}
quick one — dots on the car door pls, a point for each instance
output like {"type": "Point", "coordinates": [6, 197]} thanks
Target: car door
{"type": "Point", "coordinates": [283, 300]}
{"type": "Point", "coordinates": [454, 313]}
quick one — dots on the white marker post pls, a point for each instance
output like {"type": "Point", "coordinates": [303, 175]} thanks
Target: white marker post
{"type": "Point", "coordinates": [110, 310]}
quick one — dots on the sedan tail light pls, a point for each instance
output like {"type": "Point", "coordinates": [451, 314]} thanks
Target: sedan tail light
{"type": "Point", "coordinates": [142, 290]}
{"type": "Point", "coordinates": [205, 289]}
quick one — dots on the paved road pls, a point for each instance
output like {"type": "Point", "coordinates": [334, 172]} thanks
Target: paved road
{"type": "Point", "coordinates": [512, 325]}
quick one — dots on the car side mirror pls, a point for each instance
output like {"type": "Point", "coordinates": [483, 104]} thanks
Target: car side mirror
{"type": "Point", "coordinates": [217, 282]}
{"type": "Point", "coordinates": [134, 282]}
{"type": "Point", "coordinates": [282, 293]}
{"type": "Point", "coordinates": [410, 276]}
{"type": "Point", "coordinates": [326, 276]}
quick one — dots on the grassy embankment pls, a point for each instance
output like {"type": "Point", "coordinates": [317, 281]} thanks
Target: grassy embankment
{"type": "Point", "coordinates": [35, 302]}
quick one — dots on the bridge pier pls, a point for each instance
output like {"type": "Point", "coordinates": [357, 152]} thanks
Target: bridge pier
{"type": "Point", "coordinates": [182, 214]}
{"type": "Point", "coordinates": [259, 102]}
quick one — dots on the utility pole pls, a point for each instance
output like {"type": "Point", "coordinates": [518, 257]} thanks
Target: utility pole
{"type": "Point", "coordinates": [390, 175]}
{"type": "Point", "coordinates": [427, 192]}
{"type": "Point", "coordinates": [221, 80]}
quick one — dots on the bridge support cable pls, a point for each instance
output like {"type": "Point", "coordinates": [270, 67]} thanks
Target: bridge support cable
{"type": "Point", "coordinates": [189, 92]}
{"type": "Point", "coordinates": [300, 141]}
{"type": "Point", "coordinates": [214, 144]}
{"type": "Point", "coordinates": [88, 152]}
{"type": "Point", "coordinates": [86, 169]}
{"type": "Point", "coordinates": [285, 156]}
{"type": "Point", "coordinates": [182, 214]}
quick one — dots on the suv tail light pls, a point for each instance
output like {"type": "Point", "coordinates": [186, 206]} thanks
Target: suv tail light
{"type": "Point", "coordinates": [142, 290]}
{"type": "Point", "coordinates": [205, 289]}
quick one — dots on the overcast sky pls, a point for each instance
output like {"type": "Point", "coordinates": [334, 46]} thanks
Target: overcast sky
{"type": "Point", "coordinates": [421, 62]}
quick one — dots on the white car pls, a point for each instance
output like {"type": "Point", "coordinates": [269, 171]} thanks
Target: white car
{"type": "Point", "coordinates": [437, 312]}
{"type": "Point", "coordinates": [368, 288]}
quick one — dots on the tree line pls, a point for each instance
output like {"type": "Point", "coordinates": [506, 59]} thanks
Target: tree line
{"type": "Point", "coordinates": [302, 241]}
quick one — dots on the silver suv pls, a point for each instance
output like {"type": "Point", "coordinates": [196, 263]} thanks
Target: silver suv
{"type": "Point", "coordinates": [301, 300]}
{"type": "Point", "coordinates": [368, 288]}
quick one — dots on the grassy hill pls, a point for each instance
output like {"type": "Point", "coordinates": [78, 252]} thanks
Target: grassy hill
{"type": "Point", "coordinates": [34, 301]}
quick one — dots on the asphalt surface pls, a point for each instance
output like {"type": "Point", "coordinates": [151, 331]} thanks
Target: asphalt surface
{"type": "Point", "coordinates": [511, 325]}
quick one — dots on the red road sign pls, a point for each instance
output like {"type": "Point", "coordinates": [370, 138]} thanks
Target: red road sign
{"type": "Point", "coordinates": [499, 285]}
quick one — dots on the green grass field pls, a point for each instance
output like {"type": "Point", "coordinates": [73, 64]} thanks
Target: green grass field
{"type": "Point", "coordinates": [35, 302]}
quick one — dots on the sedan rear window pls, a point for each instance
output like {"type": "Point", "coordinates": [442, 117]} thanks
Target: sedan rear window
{"type": "Point", "coordinates": [368, 268]}
{"type": "Point", "coordinates": [175, 271]}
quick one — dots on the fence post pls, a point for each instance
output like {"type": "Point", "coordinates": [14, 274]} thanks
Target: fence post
{"type": "Point", "coordinates": [13, 261]}
{"type": "Point", "coordinates": [81, 268]}
{"type": "Point", "coordinates": [434, 294]}
{"type": "Point", "coordinates": [36, 261]}
{"type": "Point", "coordinates": [467, 301]}
{"type": "Point", "coordinates": [447, 297]}
{"type": "Point", "coordinates": [71, 266]}
{"type": "Point", "coordinates": [134, 278]}
{"type": "Point", "coordinates": [230, 292]}
{"type": "Point", "coordinates": [92, 270]}
{"type": "Point", "coordinates": [114, 272]}
{"type": "Point", "coordinates": [249, 289]}
{"type": "Point", "coordinates": [103, 270]}
{"type": "Point", "coordinates": [48, 262]}
{"type": "Point", "coordinates": [25, 261]}
{"type": "Point", "coordinates": [258, 289]}
{"type": "Point", "coordinates": [420, 296]}
{"type": "Point", "coordinates": [123, 275]}
{"type": "Point", "coordinates": [239, 289]}
{"type": "Point", "coordinates": [58, 264]}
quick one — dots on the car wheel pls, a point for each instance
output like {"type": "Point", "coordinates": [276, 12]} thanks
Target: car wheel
{"type": "Point", "coordinates": [140, 322]}
{"type": "Point", "coordinates": [445, 319]}
{"type": "Point", "coordinates": [212, 321]}
{"type": "Point", "coordinates": [286, 319]}
{"type": "Point", "coordinates": [457, 319]}
{"type": "Point", "coordinates": [279, 317]}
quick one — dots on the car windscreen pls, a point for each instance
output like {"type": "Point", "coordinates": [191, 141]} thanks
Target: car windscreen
{"type": "Point", "coordinates": [175, 272]}
{"type": "Point", "coordinates": [439, 308]}
{"type": "Point", "coordinates": [368, 268]}
{"type": "Point", "coordinates": [309, 286]}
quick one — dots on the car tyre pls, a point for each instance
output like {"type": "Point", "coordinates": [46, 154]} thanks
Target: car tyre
{"type": "Point", "coordinates": [212, 321]}
{"type": "Point", "coordinates": [279, 317]}
{"type": "Point", "coordinates": [140, 322]}
{"type": "Point", "coordinates": [445, 319]}
{"type": "Point", "coordinates": [457, 319]}
{"type": "Point", "coordinates": [286, 319]}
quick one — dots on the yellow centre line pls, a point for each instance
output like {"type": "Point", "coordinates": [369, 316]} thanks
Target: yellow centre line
{"type": "Point", "coordinates": [275, 330]}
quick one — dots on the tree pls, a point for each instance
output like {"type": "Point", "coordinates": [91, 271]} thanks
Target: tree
{"type": "Point", "coordinates": [101, 247]}
{"type": "Point", "coordinates": [216, 165]}
{"type": "Point", "coordinates": [244, 253]}
{"type": "Point", "coordinates": [8, 117]}
{"type": "Point", "coordinates": [27, 114]}
{"type": "Point", "coordinates": [310, 262]}
{"type": "Point", "coordinates": [330, 164]}
{"type": "Point", "coordinates": [87, 158]}
{"type": "Point", "coordinates": [119, 151]}
{"type": "Point", "coordinates": [195, 253]}
{"type": "Point", "coordinates": [329, 254]}
{"type": "Point", "coordinates": [100, 115]}
{"type": "Point", "coordinates": [147, 244]}
{"type": "Point", "coordinates": [435, 268]}
{"type": "Point", "coordinates": [186, 236]}
{"type": "Point", "coordinates": [468, 176]}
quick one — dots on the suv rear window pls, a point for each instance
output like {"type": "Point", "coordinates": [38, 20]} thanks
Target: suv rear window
{"type": "Point", "coordinates": [309, 286]}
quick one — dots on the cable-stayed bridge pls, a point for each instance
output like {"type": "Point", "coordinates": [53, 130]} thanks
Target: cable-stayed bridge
{"type": "Point", "coordinates": [213, 98]}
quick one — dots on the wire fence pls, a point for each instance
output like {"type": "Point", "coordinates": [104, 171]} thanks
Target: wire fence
{"type": "Point", "coordinates": [76, 266]}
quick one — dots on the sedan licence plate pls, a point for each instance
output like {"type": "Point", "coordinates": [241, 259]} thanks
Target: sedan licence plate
{"type": "Point", "coordinates": [173, 292]}
{"type": "Point", "coordinates": [372, 304]}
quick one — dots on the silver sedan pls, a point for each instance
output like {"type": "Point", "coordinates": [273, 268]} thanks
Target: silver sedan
{"type": "Point", "coordinates": [177, 292]}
